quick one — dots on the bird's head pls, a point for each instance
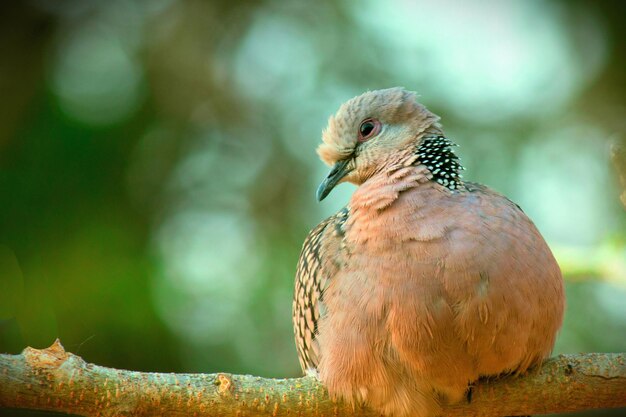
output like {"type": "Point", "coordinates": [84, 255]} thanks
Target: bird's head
{"type": "Point", "coordinates": [370, 132]}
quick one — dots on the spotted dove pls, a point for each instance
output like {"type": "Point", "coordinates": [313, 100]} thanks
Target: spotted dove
{"type": "Point", "coordinates": [424, 282]}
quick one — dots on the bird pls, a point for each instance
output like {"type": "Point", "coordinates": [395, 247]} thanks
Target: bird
{"type": "Point", "coordinates": [423, 283]}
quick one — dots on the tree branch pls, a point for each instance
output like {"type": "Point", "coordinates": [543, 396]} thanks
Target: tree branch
{"type": "Point", "coordinates": [53, 379]}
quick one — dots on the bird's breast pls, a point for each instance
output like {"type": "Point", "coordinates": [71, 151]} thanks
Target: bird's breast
{"type": "Point", "coordinates": [423, 214]}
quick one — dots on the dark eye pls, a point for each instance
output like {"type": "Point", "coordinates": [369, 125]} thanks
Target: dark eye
{"type": "Point", "coordinates": [368, 129]}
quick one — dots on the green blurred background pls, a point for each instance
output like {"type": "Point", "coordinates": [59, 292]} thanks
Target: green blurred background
{"type": "Point", "coordinates": [157, 164]}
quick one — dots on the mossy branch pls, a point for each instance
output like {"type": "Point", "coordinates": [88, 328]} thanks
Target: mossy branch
{"type": "Point", "coordinates": [53, 379]}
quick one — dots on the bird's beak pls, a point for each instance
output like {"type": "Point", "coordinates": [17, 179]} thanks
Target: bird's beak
{"type": "Point", "coordinates": [340, 170]}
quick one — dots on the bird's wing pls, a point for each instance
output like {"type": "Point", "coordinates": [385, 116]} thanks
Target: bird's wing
{"type": "Point", "coordinates": [320, 259]}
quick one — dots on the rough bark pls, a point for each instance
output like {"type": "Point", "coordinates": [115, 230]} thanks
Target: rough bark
{"type": "Point", "coordinates": [53, 379]}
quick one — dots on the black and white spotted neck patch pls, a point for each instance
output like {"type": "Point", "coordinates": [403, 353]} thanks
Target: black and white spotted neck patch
{"type": "Point", "coordinates": [435, 153]}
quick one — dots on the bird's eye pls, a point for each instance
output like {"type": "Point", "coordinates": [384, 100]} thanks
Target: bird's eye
{"type": "Point", "coordinates": [368, 129]}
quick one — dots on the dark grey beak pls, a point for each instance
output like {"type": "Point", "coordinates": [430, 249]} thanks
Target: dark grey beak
{"type": "Point", "coordinates": [339, 170]}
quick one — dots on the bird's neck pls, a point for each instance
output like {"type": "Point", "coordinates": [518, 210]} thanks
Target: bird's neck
{"type": "Point", "coordinates": [431, 164]}
{"type": "Point", "coordinates": [384, 188]}
{"type": "Point", "coordinates": [381, 207]}
{"type": "Point", "coordinates": [436, 153]}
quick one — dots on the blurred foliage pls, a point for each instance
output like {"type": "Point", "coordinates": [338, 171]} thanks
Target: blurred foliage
{"type": "Point", "coordinates": [157, 165]}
